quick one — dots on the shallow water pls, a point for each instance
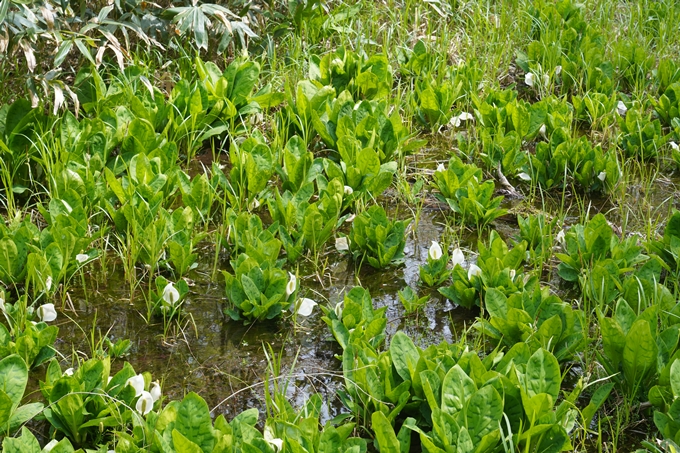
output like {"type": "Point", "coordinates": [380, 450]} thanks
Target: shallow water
{"type": "Point", "coordinates": [225, 362]}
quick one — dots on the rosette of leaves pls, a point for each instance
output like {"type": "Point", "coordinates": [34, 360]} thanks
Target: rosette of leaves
{"type": "Point", "coordinates": [596, 258]}
{"type": "Point", "coordinates": [467, 397]}
{"type": "Point", "coordinates": [17, 239]}
{"type": "Point", "coordinates": [536, 318]}
{"type": "Point", "coordinates": [594, 109]}
{"type": "Point", "coordinates": [355, 319]}
{"type": "Point", "coordinates": [88, 403]}
{"type": "Point", "coordinates": [303, 225]}
{"type": "Point", "coordinates": [343, 69]}
{"type": "Point", "coordinates": [434, 272]}
{"type": "Point", "coordinates": [376, 239]}
{"type": "Point", "coordinates": [633, 62]}
{"type": "Point", "coordinates": [257, 289]}
{"type": "Point", "coordinates": [592, 168]}
{"type": "Point", "coordinates": [34, 342]}
{"type": "Point", "coordinates": [360, 169]}
{"type": "Point", "coordinates": [448, 180]}
{"type": "Point", "coordinates": [433, 100]}
{"type": "Point", "coordinates": [369, 122]}
{"type": "Point", "coordinates": [497, 266]}
{"type": "Point", "coordinates": [536, 231]}
{"type": "Point", "coordinates": [635, 350]}
{"type": "Point", "coordinates": [461, 188]}
{"type": "Point", "coordinates": [253, 164]}
{"type": "Point", "coordinates": [641, 136]}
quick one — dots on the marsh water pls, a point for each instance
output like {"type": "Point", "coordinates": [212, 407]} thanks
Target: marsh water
{"type": "Point", "coordinates": [226, 361]}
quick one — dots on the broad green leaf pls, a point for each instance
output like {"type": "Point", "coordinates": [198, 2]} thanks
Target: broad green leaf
{"type": "Point", "coordinates": [484, 412]}
{"type": "Point", "coordinates": [404, 355]}
{"type": "Point", "coordinates": [543, 374]}
{"type": "Point", "coordinates": [387, 440]}
{"type": "Point", "coordinates": [23, 414]}
{"type": "Point", "coordinates": [675, 378]}
{"type": "Point", "coordinates": [13, 377]}
{"type": "Point", "coordinates": [496, 303]}
{"type": "Point", "coordinates": [194, 422]}
{"type": "Point", "coordinates": [6, 407]}
{"type": "Point", "coordinates": [464, 443]}
{"type": "Point", "coordinates": [184, 445]}
{"type": "Point", "coordinates": [639, 353]}
{"type": "Point", "coordinates": [457, 387]}
{"type": "Point", "coordinates": [26, 443]}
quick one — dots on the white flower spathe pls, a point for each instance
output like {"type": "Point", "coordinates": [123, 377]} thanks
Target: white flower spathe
{"type": "Point", "coordinates": [276, 442]}
{"type": "Point", "coordinates": [48, 283]}
{"type": "Point", "coordinates": [456, 120]}
{"type": "Point", "coordinates": [560, 237]}
{"type": "Point", "coordinates": [342, 244]}
{"type": "Point", "coordinates": [155, 391]}
{"type": "Point", "coordinates": [137, 383]}
{"type": "Point", "coordinates": [292, 285]}
{"type": "Point", "coordinates": [524, 176]}
{"type": "Point", "coordinates": [602, 176]}
{"type": "Point", "coordinates": [348, 190]}
{"type": "Point", "coordinates": [68, 372]}
{"type": "Point", "coordinates": [81, 258]}
{"type": "Point", "coordinates": [435, 251]}
{"type": "Point", "coordinates": [529, 79]}
{"type": "Point", "coordinates": [621, 108]}
{"type": "Point", "coordinates": [47, 313]}
{"type": "Point", "coordinates": [457, 257]}
{"type": "Point", "coordinates": [305, 306]}
{"type": "Point", "coordinates": [441, 168]}
{"type": "Point", "coordinates": [513, 272]}
{"type": "Point", "coordinates": [474, 270]}
{"type": "Point", "coordinates": [2, 304]}
{"type": "Point", "coordinates": [546, 80]}
{"type": "Point", "coordinates": [170, 294]}
{"type": "Point", "coordinates": [144, 403]}
{"type": "Point", "coordinates": [338, 310]}
{"type": "Point", "coordinates": [542, 131]}
{"type": "Point", "coordinates": [674, 146]}
{"type": "Point", "coordinates": [50, 445]}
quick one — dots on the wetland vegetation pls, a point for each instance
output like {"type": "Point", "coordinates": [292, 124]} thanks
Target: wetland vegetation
{"type": "Point", "coordinates": [321, 226]}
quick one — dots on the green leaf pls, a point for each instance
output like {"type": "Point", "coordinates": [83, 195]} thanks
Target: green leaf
{"type": "Point", "coordinates": [387, 440]}
{"type": "Point", "coordinates": [251, 289]}
{"type": "Point", "coordinates": [6, 408]}
{"type": "Point", "coordinates": [26, 443]}
{"type": "Point", "coordinates": [675, 378]}
{"type": "Point", "coordinates": [184, 445]}
{"type": "Point", "coordinates": [543, 374]}
{"type": "Point", "coordinates": [599, 397]}
{"type": "Point", "coordinates": [23, 414]}
{"type": "Point", "coordinates": [194, 422]}
{"type": "Point", "coordinates": [464, 443]}
{"type": "Point", "coordinates": [404, 355]}
{"type": "Point", "coordinates": [484, 412]}
{"type": "Point", "coordinates": [639, 353]}
{"type": "Point", "coordinates": [496, 303]}
{"type": "Point", "coordinates": [13, 377]}
{"type": "Point", "coordinates": [244, 81]}
{"type": "Point", "coordinates": [457, 387]}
